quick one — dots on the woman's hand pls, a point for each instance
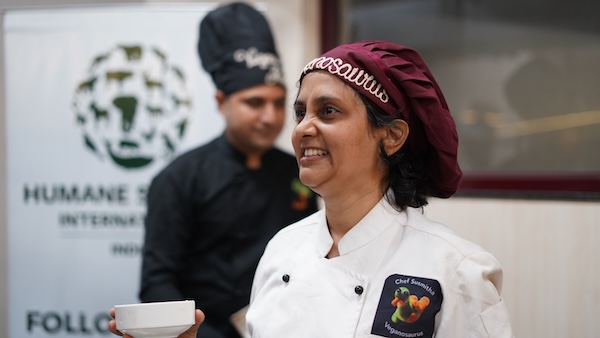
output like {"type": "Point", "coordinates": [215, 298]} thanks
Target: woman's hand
{"type": "Point", "coordinates": [190, 333]}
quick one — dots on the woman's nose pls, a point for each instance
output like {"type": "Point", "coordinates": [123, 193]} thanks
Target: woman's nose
{"type": "Point", "coordinates": [306, 126]}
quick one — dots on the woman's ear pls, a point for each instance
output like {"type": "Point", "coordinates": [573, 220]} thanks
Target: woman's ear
{"type": "Point", "coordinates": [395, 136]}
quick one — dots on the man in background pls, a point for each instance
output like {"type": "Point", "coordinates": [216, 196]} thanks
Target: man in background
{"type": "Point", "coordinates": [213, 209]}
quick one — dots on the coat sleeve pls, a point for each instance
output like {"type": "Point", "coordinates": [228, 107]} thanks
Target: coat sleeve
{"type": "Point", "coordinates": [166, 231]}
{"type": "Point", "coordinates": [472, 305]}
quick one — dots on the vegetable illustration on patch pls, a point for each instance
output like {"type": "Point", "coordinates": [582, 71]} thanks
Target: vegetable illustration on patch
{"type": "Point", "coordinates": [408, 307]}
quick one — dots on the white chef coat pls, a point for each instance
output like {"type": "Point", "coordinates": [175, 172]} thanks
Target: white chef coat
{"type": "Point", "coordinates": [298, 292]}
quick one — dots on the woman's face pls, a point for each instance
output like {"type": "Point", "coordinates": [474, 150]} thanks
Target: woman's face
{"type": "Point", "coordinates": [336, 148]}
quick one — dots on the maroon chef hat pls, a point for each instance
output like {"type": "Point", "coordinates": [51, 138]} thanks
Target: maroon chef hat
{"type": "Point", "coordinates": [396, 79]}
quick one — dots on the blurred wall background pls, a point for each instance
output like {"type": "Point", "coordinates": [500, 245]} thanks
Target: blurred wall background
{"type": "Point", "coordinates": [548, 248]}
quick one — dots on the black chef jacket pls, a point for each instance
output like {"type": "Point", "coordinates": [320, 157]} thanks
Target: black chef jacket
{"type": "Point", "coordinates": [208, 221]}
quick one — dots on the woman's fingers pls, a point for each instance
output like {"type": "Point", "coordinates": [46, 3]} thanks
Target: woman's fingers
{"type": "Point", "coordinates": [112, 325]}
{"type": "Point", "coordinates": [190, 333]}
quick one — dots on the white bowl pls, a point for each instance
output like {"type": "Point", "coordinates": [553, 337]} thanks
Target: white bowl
{"type": "Point", "coordinates": [157, 320]}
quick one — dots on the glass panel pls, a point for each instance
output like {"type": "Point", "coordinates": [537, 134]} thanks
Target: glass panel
{"type": "Point", "coordinates": [521, 77]}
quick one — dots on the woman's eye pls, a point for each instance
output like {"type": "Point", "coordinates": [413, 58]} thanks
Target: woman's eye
{"type": "Point", "coordinates": [299, 114]}
{"type": "Point", "coordinates": [328, 110]}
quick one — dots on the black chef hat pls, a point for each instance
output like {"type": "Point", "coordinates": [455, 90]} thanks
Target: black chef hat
{"type": "Point", "coordinates": [237, 49]}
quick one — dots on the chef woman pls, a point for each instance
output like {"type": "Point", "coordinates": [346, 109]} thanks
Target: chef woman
{"type": "Point", "coordinates": [375, 139]}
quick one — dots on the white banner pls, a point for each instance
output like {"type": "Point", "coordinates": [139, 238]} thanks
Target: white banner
{"type": "Point", "coordinates": [98, 99]}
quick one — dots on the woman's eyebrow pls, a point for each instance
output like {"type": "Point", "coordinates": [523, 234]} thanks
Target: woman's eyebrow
{"type": "Point", "coordinates": [324, 99]}
{"type": "Point", "coordinates": [319, 100]}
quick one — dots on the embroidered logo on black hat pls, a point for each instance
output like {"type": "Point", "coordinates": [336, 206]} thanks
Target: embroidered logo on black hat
{"type": "Point", "coordinates": [407, 307]}
{"type": "Point", "coordinates": [253, 58]}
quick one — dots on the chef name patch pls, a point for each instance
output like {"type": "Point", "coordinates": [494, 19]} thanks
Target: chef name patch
{"type": "Point", "coordinates": [407, 307]}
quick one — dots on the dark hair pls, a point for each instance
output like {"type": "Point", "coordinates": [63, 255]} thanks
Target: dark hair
{"type": "Point", "coordinates": [407, 175]}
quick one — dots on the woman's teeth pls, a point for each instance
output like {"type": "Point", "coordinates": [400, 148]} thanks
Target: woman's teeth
{"type": "Point", "coordinates": [314, 152]}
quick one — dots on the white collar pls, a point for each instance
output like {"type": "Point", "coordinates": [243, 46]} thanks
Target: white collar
{"type": "Point", "coordinates": [380, 217]}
